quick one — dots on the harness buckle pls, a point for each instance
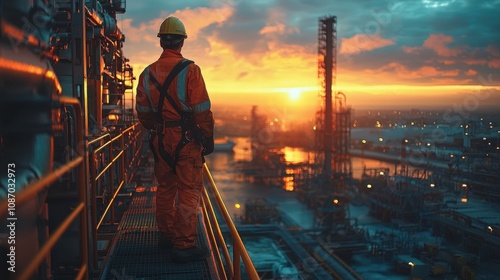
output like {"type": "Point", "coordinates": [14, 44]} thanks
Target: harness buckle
{"type": "Point", "coordinates": [152, 133]}
{"type": "Point", "coordinates": [159, 127]}
{"type": "Point", "coordinates": [188, 136]}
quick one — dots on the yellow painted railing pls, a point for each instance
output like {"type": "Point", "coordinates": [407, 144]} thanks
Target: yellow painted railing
{"type": "Point", "coordinates": [115, 157]}
{"type": "Point", "coordinates": [240, 253]}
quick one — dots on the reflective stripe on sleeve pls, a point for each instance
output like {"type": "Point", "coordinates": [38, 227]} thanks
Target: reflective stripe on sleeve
{"type": "Point", "coordinates": [146, 87]}
{"type": "Point", "coordinates": [142, 108]}
{"type": "Point", "coordinates": [201, 107]}
{"type": "Point", "coordinates": [181, 89]}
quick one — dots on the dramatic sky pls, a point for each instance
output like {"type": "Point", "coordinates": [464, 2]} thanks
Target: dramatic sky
{"type": "Point", "coordinates": [390, 53]}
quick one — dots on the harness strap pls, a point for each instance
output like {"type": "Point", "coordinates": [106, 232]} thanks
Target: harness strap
{"type": "Point", "coordinates": [164, 88]}
{"type": "Point", "coordinates": [172, 123]}
{"type": "Point", "coordinates": [151, 138]}
{"type": "Point", "coordinates": [164, 93]}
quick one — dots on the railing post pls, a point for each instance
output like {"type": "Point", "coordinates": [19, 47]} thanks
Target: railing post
{"type": "Point", "coordinates": [124, 157]}
{"type": "Point", "coordinates": [111, 180]}
{"type": "Point", "coordinates": [236, 262]}
{"type": "Point", "coordinates": [239, 251]}
{"type": "Point", "coordinates": [211, 235]}
{"type": "Point", "coordinates": [93, 205]}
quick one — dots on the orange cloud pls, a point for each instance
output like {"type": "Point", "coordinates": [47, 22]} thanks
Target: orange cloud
{"type": "Point", "coordinates": [438, 42]}
{"type": "Point", "coordinates": [494, 50]}
{"type": "Point", "coordinates": [394, 71]}
{"type": "Point", "coordinates": [448, 62]}
{"type": "Point", "coordinates": [278, 29]}
{"type": "Point", "coordinates": [282, 66]}
{"type": "Point", "coordinates": [427, 71]}
{"type": "Point", "coordinates": [145, 32]}
{"type": "Point", "coordinates": [232, 76]}
{"type": "Point", "coordinates": [494, 63]}
{"type": "Point", "coordinates": [276, 24]}
{"type": "Point", "coordinates": [411, 49]}
{"type": "Point", "coordinates": [194, 20]}
{"type": "Point", "coordinates": [471, 72]}
{"type": "Point", "coordinates": [451, 81]}
{"type": "Point", "coordinates": [142, 47]}
{"type": "Point", "coordinates": [277, 65]}
{"type": "Point", "coordinates": [474, 61]}
{"type": "Point", "coordinates": [362, 42]}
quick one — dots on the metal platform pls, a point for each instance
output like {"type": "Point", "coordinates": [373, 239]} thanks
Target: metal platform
{"type": "Point", "coordinates": [134, 252]}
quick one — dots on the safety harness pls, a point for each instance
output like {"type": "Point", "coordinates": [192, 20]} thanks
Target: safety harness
{"type": "Point", "coordinates": [190, 131]}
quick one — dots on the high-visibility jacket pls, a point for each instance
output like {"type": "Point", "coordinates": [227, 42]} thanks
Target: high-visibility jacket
{"type": "Point", "coordinates": [187, 90]}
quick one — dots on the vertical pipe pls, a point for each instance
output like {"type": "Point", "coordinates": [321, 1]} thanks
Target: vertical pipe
{"type": "Point", "coordinates": [79, 55]}
{"type": "Point", "coordinates": [82, 190]}
{"type": "Point", "coordinates": [79, 90]}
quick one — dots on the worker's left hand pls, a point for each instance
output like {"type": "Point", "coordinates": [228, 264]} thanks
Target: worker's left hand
{"type": "Point", "coordinates": [209, 146]}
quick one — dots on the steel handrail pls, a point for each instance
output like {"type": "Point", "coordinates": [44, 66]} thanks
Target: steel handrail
{"type": "Point", "coordinates": [108, 166]}
{"type": "Point", "coordinates": [239, 249]}
{"type": "Point", "coordinates": [111, 201]}
{"type": "Point", "coordinates": [41, 184]}
{"type": "Point", "coordinates": [210, 214]}
{"type": "Point", "coordinates": [114, 160]}
{"type": "Point", "coordinates": [91, 142]}
{"type": "Point", "coordinates": [135, 156]}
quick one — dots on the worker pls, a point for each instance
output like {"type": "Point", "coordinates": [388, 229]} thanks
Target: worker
{"type": "Point", "coordinates": [173, 103]}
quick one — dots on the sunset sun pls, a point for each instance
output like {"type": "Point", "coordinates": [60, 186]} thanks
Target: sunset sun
{"type": "Point", "coordinates": [294, 94]}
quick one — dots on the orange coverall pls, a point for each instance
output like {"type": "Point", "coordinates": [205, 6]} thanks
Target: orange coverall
{"type": "Point", "coordinates": [176, 222]}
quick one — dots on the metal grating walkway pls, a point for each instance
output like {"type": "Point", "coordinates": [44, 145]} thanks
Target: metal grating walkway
{"type": "Point", "coordinates": [134, 253]}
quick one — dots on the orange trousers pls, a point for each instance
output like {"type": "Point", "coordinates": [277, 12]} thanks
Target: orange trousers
{"type": "Point", "coordinates": [178, 195]}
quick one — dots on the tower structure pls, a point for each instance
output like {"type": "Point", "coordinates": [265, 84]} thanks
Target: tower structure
{"type": "Point", "coordinates": [333, 129]}
{"type": "Point", "coordinates": [327, 73]}
{"type": "Point", "coordinates": [332, 156]}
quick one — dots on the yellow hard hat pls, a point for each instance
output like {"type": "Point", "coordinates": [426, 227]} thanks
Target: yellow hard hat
{"type": "Point", "coordinates": [172, 25]}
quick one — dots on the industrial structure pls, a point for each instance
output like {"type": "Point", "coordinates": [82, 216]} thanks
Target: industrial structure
{"type": "Point", "coordinates": [78, 191]}
{"type": "Point", "coordinates": [332, 168]}
{"type": "Point", "coordinates": [322, 185]}
{"type": "Point", "coordinates": [447, 188]}
{"type": "Point", "coordinates": [76, 168]}
{"type": "Point", "coordinates": [71, 146]}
